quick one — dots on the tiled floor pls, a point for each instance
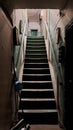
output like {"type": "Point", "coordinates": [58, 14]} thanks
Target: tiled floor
{"type": "Point", "coordinates": [45, 127]}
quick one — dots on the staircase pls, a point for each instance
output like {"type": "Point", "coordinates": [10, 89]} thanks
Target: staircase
{"type": "Point", "coordinates": [37, 103]}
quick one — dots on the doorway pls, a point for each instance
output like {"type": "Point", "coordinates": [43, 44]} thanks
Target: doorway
{"type": "Point", "coordinates": [68, 93]}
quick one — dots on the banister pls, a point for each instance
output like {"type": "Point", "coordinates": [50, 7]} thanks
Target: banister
{"type": "Point", "coordinates": [21, 50]}
{"type": "Point", "coordinates": [58, 69]}
{"type": "Point", "coordinates": [19, 125]}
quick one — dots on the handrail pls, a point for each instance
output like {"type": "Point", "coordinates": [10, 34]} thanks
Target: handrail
{"type": "Point", "coordinates": [18, 62]}
{"type": "Point", "coordinates": [58, 71]}
{"type": "Point", "coordinates": [19, 125]}
{"type": "Point", "coordinates": [57, 66]}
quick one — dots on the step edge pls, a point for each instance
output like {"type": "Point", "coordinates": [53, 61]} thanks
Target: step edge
{"type": "Point", "coordinates": [37, 68]}
{"type": "Point", "coordinates": [36, 75]}
{"type": "Point", "coordinates": [36, 90]}
{"type": "Point", "coordinates": [38, 111]}
{"type": "Point", "coordinates": [36, 81]}
{"type": "Point", "coordinates": [37, 99]}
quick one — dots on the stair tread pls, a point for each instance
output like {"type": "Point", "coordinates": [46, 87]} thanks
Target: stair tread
{"type": "Point", "coordinates": [37, 90]}
{"type": "Point", "coordinates": [35, 58]}
{"type": "Point", "coordinates": [36, 75]}
{"type": "Point", "coordinates": [37, 54]}
{"type": "Point", "coordinates": [36, 50]}
{"type": "Point", "coordinates": [36, 68]}
{"type": "Point", "coordinates": [36, 81]}
{"type": "Point", "coordinates": [35, 46]}
{"type": "Point", "coordinates": [37, 99]}
{"type": "Point", "coordinates": [38, 110]}
{"type": "Point", "coordinates": [36, 63]}
{"type": "Point", "coordinates": [34, 40]}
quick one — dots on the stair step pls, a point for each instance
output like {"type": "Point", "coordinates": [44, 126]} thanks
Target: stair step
{"type": "Point", "coordinates": [35, 47]}
{"type": "Point", "coordinates": [39, 117]}
{"type": "Point", "coordinates": [35, 60]}
{"type": "Point", "coordinates": [36, 77]}
{"type": "Point", "coordinates": [37, 110]}
{"type": "Point", "coordinates": [35, 38]}
{"type": "Point", "coordinates": [36, 70]}
{"type": "Point", "coordinates": [35, 41]}
{"type": "Point", "coordinates": [37, 99]}
{"type": "Point", "coordinates": [36, 44]}
{"type": "Point", "coordinates": [37, 81]}
{"type": "Point", "coordinates": [37, 85]}
{"type": "Point", "coordinates": [37, 103]}
{"type": "Point", "coordinates": [37, 90]}
{"type": "Point", "coordinates": [36, 52]}
{"type": "Point", "coordinates": [37, 93]}
{"type": "Point", "coordinates": [35, 56]}
{"type": "Point", "coordinates": [36, 65]}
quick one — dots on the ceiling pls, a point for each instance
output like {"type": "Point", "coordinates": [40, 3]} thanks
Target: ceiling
{"type": "Point", "coordinates": [38, 4]}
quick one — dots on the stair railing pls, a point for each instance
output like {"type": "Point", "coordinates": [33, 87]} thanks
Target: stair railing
{"type": "Point", "coordinates": [54, 60]}
{"type": "Point", "coordinates": [21, 125]}
{"type": "Point", "coordinates": [21, 52]}
{"type": "Point", "coordinates": [19, 63]}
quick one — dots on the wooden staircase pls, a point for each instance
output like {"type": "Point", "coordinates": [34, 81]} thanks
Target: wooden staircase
{"type": "Point", "coordinates": [37, 103]}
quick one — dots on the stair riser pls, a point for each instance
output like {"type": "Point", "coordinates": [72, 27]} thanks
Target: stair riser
{"type": "Point", "coordinates": [34, 47]}
{"type": "Point", "coordinates": [37, 105]}
{"type": "Point", "coordinates": [36, 65]}
{"type": "Point", "coordinates": [40, 118]}
{"type": "Point", "coordinates": [36, 78]}
{"type": "Point", "coordinates": [36, 56]}
{"type": "Point", "coordinates": [37, 85]}
{"type": "Point", "coordinates": [36, 71]}
{"type": "Point", "coordinates": [37, 94]}
{"type": "Point", "coordinates": [35, 41]}
{"type": "Point", "coordinates": [36, 60]}
{"type": "Point", "coordinates": [36, 44]}
{"type": "Point", "coordinates": [34, 38]}
{"type": "Point", "coordinates": [35, 53]}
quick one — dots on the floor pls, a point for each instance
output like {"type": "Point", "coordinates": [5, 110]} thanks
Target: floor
{"type": "Point", "coordinates": [45, 127]}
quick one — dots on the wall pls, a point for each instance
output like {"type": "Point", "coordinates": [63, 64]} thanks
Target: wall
{"type": "Point", "coordinates": [19, 14]}
{"type": "Point", "coordinates": [55, 20]}
{"type": "Point", "coordinates": [5, 72]}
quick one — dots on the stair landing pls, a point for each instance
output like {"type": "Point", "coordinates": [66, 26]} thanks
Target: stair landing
{"type": "Point", "coordinates": [45, 127]}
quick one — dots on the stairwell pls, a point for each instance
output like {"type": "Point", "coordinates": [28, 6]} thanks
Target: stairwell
{"type": "Point", "coordinates": [37, 102]}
